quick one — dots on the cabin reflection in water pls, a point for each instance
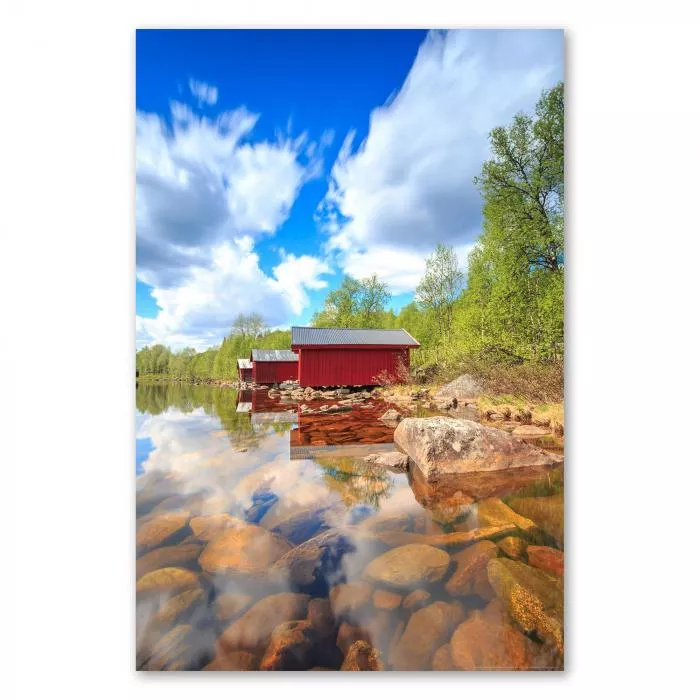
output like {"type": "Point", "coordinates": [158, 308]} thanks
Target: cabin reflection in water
{"type": "Point", "coordinates": [353, 433]}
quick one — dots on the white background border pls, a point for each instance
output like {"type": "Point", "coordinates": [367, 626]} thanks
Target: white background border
{"type": "Point", "coordinates": [66, 338]}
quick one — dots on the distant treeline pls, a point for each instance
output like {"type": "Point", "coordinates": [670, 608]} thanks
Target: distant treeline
{"type": "Point", "coordinates": [506, 307]}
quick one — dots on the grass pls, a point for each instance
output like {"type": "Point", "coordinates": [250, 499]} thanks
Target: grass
{"type": "Point", "coordinates": [544, 414]}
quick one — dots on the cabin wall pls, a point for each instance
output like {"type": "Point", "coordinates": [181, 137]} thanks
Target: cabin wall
{"type": "Point", "coordinates": [245, 375]}
{"type": "Point", "coordinates": [274, 372]}
{"type": "Point", "coordinates": [343, 366]}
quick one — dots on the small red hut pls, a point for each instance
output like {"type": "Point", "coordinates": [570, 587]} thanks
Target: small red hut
{"type": "Point", "coordinates": [245, 370]}
{"type": "Point", "coordinates": [273, 366]}
{"type": "Point", "coordinates": [350, 356]}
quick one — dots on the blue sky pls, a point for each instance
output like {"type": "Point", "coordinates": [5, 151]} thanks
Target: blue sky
{"type": "Point", "coordinates": [271, 163]}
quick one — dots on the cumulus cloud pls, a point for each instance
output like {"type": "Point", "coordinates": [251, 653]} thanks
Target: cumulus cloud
{"type": "Point", "coordinates": [198, 184]}
{"type": "Point", "coordinates": [198, 312]}
{"type": "Point", "coordinates": [204, 93]}
{"type": "Point", "coordinates": [409, 184]}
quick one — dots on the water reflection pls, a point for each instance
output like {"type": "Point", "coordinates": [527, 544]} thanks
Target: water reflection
{"type": "Point", "coordinates": [257, 523]}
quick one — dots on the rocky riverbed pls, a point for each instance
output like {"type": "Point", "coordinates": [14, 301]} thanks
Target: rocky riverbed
{"type": "Point", "coordinates": [322, 542]}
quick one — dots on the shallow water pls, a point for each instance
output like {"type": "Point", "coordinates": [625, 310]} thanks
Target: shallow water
{"type": "Point", "coordinates": [250, 515]}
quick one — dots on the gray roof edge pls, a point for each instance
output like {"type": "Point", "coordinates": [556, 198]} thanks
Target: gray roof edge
{"type": "Point", "coordinates": [330, 328]}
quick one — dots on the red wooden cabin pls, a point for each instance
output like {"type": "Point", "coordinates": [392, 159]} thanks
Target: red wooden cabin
{"type": "Point", "coordinates": [273, 366]}
{"type": "Point", "coordinates": [350, 356]}
{"type": "Point", "coordinates": [245, 370]}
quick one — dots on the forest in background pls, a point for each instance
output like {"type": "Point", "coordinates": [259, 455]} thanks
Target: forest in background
{"type": "Point", "coordinates": [505, 310]}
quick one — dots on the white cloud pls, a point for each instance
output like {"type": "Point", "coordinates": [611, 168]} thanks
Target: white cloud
{"type": "Point", "coordinates": [400, 268]}
{"type": "Point", "coordinates": [199, 311]}
{"type": "Point", "coordinates": [198, 185]}
{"type": "Point", "coordinates": [204, 93]}
{"type": "Point", "coordinates": [409, 185]}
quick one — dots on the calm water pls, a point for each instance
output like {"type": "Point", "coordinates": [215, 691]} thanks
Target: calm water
{"type": "Point", "coordinates": [264, 540]}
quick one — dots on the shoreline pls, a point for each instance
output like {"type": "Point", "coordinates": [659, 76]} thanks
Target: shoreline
{"type": "Point", "coordinates": [503, 411]}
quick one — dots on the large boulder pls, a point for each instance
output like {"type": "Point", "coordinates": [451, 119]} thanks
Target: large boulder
{"type": "Point", "coordinates": [248, 549]}
{"type": "Point", "coordinates": [533, 598]}
{"type": "Point", "coordinates": [442, 446]}
{"type": "Point", "coordinates": [252, 632]}
{"type": "Point", "coordinates": [426, 631]}
{"type": "Point", "coordinates": [462, 388]}
{"type": "Point", "coordinates": [410, 566]}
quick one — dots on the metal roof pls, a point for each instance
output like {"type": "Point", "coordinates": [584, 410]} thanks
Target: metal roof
{"type": "Point", "coordinates": [274, 356]}
{"type": "Point", "coordinates": [302, 335]}
{"type": "Point", "coordinates": [244, 363]}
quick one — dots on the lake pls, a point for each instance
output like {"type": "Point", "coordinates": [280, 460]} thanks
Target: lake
{"type": "Point", "coordinates": [264, 540]}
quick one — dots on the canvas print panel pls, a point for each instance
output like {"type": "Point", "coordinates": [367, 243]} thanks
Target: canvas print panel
{"type": "Point", "coordinates": [350, 339]}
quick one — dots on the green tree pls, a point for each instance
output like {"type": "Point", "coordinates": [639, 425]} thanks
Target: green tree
{"type": "Point", "coordinates": [437, 293]}
{"type": "Point", "coordinates": [373, 298]}
{"type": "Point", "coordinates": [514, 302]}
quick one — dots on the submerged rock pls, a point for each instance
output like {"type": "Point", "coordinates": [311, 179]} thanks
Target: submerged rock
{"type": "Point", "coordinates": [172, 650]}
{"type": "Point", "coordinates": [426, 631]}
{"type": "Point", "coordinates": [386, 600]}
{"type": "Point", "coordinates": [470, 562]}
{"type": "Point", "coordinates": [362, 656]}
{"type": "Point", "coordinates": [547, 512]}
{"type": "Point", "coordinates": [409, 566]}
{"type": "Point", "coordinates": [182, 555]}
{"type": "Point", "coordinates": [348, 599]}
{"type": "Point", "coordinates": [161, 528]}
{"type": "Point", "coordinates": [206, 527]}
{"type": "Point", "coordinates": [394, 461]}
{"type": "Point", "coordinates": [534, 599]}
{"type": "Point", "coordinates": [168, 580]}
{"type": "Point", "coordinates": [443, 446]}
{"type": "Point", "coordinates": [234, 661]}
{"type": "Point", "coordinates": [546, 558]}
{"type": "Point", "coordinates": [300, 527]}
{"type": "Point", "coordinates": [487, 640]}
{"type": "Point", "coordinates": [232, 605]}
{"type": "Point", "coordinates": [291, 647]}
{"type": "Point", "coordinates": [491, 512]}
{"type": "Point", "coordinates": [442, 661]}
{"type": "Point", "coordinates": [513, 547]}
{"type": "Point", "coordinates": [349, 634]}
{"type": "Point", "coordinates": [318, 558]}
{"type": "Point", "coordinates": [247, 549]}
{"type": "Point", "coordinates": [179, 606]}
{"type": "Point", "coordinates": [416, 599]}
{"type": "Point", "coordinates": [252, 632]}
{"type": "Point", "coordinates": [321, 616]}
{"type": "Point", "coordinates": [447, 540]}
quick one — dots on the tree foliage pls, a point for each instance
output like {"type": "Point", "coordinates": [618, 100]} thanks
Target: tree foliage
{"type": "Point", "coordinates": [355, 304]}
